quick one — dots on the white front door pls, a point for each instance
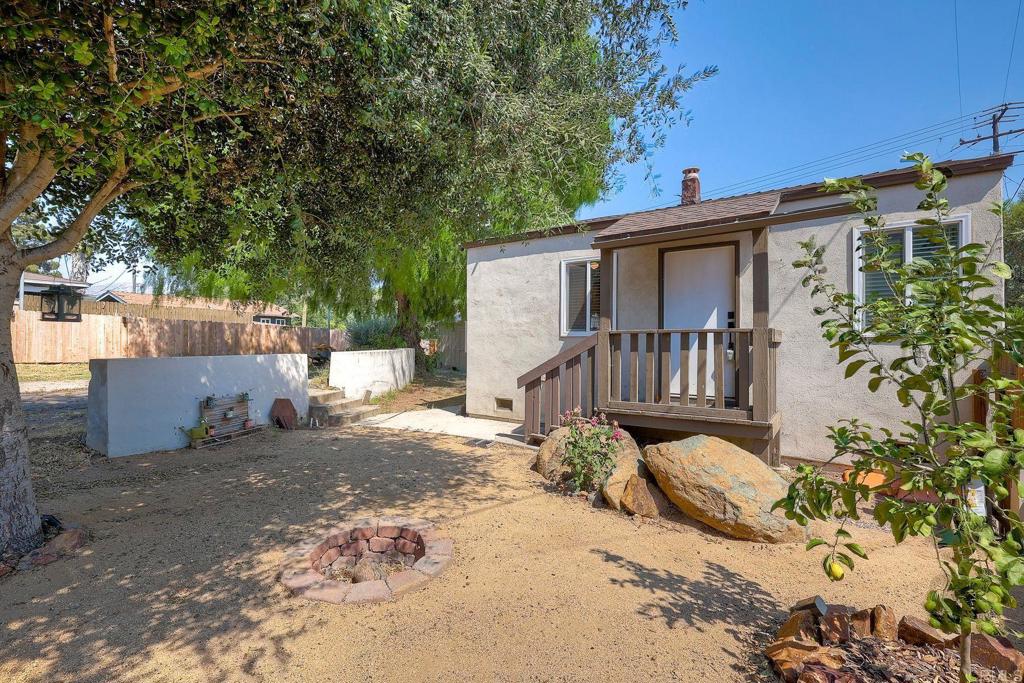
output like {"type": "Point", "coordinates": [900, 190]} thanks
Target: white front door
{"type": "Point", "coordinates": [699, 292]}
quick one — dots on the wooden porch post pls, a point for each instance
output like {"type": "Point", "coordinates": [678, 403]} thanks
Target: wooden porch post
{"type": "Point", "coordinates": [603, 355]}
{"type": "Point", "coordinates": [761, 340]}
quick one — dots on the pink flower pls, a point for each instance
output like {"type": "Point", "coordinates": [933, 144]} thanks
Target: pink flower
{"type": "Point", "coordinates": [617, 435]}
{"type": "Point", "coordinates": [593, 421]}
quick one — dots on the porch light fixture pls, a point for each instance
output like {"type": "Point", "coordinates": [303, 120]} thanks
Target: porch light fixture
{"type": "Point", "coordinates": [61, 303]}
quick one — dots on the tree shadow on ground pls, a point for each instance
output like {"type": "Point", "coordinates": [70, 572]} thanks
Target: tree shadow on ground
{"type": "Point", "coordinates": [182, 565]}
{"type": "Point", "coordinates": [720, 596]}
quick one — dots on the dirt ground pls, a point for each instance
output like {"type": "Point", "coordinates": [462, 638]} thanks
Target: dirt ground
{"type": "Point", "coordinates": [179, 580]}
{"type": "Point", "coordinates": [435, 390]}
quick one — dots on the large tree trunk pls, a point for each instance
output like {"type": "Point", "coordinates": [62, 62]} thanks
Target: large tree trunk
{"type": "Point", "coordinates": [20, 528]}
{"type": "Point", "coordinates": [408, 324]}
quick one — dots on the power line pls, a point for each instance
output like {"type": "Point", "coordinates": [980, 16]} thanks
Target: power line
{"type": "Point", "coordinates": [816, 168]}
{"type": "Point", "coordinates": [1013, 44]}
{"type": "Point", "coordinates": [839, 159]}
{"type": "Point", "coordinates": [956, 38]}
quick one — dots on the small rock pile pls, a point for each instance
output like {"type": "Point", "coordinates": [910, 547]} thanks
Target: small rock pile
{"type": "Point", "coordinates": [366, 560]}
{"type": "Point", "coordinates": [59, 540]}
{"type": "Point", "coordinates": [822, 643]}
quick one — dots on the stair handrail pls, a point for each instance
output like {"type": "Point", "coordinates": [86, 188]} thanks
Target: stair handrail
{"type": "Point", "coordinates": [576, 349]}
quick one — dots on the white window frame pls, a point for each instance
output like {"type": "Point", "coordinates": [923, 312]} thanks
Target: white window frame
{"type": "Point", "coordinates": [907, 227]}
{"type": "Point", "coordinates": [564, 294]}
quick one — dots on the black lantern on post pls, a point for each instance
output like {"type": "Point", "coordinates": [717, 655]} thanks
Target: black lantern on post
{"type": "Point", "coordinates": [61, 303]}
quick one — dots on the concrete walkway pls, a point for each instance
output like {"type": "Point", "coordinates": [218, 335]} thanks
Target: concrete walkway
{"type": "Point", "coordinates": [50, 386]}
{"type": "Point", "coordinates": [438, 421]}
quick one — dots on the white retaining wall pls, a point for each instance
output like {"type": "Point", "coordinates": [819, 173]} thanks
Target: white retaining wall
{"type": "Point", "coordinates": [376, 371]}
{"type": "Point", "coordinates": [136, 405]}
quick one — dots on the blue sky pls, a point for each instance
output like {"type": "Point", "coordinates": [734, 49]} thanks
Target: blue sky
{"type": "Point", "coordinates": [800, 80]}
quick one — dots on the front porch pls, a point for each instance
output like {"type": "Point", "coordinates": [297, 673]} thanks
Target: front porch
{"type": "Point", "coordinates": [683, 343]}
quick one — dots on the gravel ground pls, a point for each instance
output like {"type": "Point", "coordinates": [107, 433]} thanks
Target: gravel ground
{"type": "Point", "coordinates": [179, 580]}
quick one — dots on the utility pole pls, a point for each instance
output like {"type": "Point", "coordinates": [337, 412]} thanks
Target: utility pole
{"type": "Point", "coordinates": [991, 118]}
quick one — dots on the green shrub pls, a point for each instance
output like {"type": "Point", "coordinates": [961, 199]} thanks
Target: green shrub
{"type": "Point", "coordinates": [375, 332]}
{"type": "Point", "coordinates": [589, 449]}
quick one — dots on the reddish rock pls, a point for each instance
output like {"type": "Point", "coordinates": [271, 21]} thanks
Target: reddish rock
{"type": "Point", "coordinates": [432, 565]}
{"type": "Point", "coordinates": [40, 558]}
{"type": "Point", "coordinates": [406, 581]}
{"type": "Point", "coordinates": [328, 591]}
{"type": "Point", "coordinates": [369, 591]}
{"type": "Point", "coordinates": [354, 548]}
{"type": "Point", "coordinates": [835, 625]}
{"type": "Point", "coordinates": [914, 631]}
{"type": "Point", "coordinates": [389, 530]}
{"type": "Point", "coordinates": [789, 656]}
{"type": "Point", "coordinates": [5, 569]}
{"type": "Point", "coordinates": [298, 581]}
{"type": "Point", "coordinates": [636, 498]}
{"type": "Point", "coordinates": [404, 545]}
{"type": "Point", "coordinates": [339, 536]}
{"type": "Point", "coordinates": [410, 534]}
{"type": "Point", "coordinates": [66, 541]}
{"type": "Point", "coordinates": [816, 604]}
{"type": "Point", "coordinates": [440, 546]}
{"type": "Point", "coordinates": [883, 623]}
{"type": "Point", "coordinates": [819, 673]}
{"type": "Point", "coordinates": [329, 557]}
{"type": "Point", "coordinates": [860, 623]}
{"type": "Point", "coordinates": [800, 626]}
{"type": "Point", "coordinates": [381, 545]}
{"type": "Point", "coordinates": [364, 533]}
{"type": "Point", "coordinates": [997, 653]}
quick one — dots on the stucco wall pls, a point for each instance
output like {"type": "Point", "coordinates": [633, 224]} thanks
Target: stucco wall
{"type": "Point", "coordinates": [512, 309]}
{"type": "Point", "coordinates": [136, 405]}
{"type": "Point", "coordinates": [812, 393]}
{"type": "Point", "coordinates": [379, 371]}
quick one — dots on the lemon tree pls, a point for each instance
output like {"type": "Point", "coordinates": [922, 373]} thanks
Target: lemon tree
{"type": "Point", "coordinates": [943, 314]}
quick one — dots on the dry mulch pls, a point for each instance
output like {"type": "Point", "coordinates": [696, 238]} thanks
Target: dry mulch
{"type": "Point", "coordinates": [872, 659]}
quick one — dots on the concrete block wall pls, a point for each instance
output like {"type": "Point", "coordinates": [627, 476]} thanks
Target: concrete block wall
{"type": "Point", "coordinates": [375, 371]}
{"type": "Point", "coordinates": [137, 405]}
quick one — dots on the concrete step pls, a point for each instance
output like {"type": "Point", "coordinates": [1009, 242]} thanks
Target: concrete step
{"type": "Point", "coordinates": [352, 416]}
{"type": "Point", "coordinates": [323, 411]}
{"type": "Point", "coordinates": [319, 397]}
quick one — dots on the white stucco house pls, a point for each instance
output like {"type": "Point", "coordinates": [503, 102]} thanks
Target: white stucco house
{"type": "Point", "coordinates": [691, 318]}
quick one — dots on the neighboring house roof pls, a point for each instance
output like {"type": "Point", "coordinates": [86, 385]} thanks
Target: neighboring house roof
{"type": "Point", "coordinates": [168, 301]}
{"type": "Point", "coordinates": [41, 279]}
{"type": "Point", "coordinates": [741, 209]}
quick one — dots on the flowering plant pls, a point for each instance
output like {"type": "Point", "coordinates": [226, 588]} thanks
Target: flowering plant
{"type": "Point", "coordinates": [589, 448]}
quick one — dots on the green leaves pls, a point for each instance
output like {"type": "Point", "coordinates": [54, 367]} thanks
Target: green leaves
{"type": "Point", "coordinates": [1001, 270]}
{"type": "Point", "coordinates": [946, 322]}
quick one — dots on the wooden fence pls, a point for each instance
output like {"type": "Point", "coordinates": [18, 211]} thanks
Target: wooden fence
{"type": "Point", "coordinates": [33, 302]}
{"type": "Point", "coordinates": [108, 336]}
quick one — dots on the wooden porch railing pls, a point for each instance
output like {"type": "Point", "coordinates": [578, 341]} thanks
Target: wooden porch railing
{"type": "Point", "coordinates": [546, 398]}
{"type": "Point", "coordinates": [639, 379]}
{"type": "Point", "coordinates": [742, 357]}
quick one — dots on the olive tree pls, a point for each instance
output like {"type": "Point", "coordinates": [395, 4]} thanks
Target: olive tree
{"type": "Point", "coordinates": [260, 146]}
{"type": "Point", "coordinates": [942, 312]}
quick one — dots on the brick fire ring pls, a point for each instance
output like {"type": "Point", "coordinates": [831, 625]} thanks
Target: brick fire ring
{"type": "Point", "coordinates": [406, 540]}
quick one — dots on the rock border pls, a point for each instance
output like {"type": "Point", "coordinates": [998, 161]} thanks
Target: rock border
{"type": "Point", "coordinates": [426, 554]}
{"type": "Point", "coordinates": [806, 647]}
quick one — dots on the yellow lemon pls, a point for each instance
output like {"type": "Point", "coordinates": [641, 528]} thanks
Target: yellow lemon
{"type": "Point", "coordinates": [836, 571]}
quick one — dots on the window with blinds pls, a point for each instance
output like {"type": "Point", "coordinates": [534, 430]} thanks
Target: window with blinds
{"type": "Point", "coordinates": [581, 296]}
{"type": "Point", "coordinates": [914, 242]}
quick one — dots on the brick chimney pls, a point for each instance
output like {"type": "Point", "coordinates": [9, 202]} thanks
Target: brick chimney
{"type": "Point", "coordinates": [691, 186]}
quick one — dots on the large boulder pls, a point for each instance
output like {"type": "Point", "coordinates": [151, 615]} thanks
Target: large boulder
{"type": "Point", "coordinates": [549, 456]}
{"type": "Point", "coordinates": [723, 486]}
{"type": "Point", "coordinates": [627, 464]}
